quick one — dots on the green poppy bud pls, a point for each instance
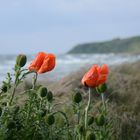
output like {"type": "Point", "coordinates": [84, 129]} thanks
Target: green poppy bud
{"type": "Point", "coordinates": [11, 124]}
{"type": "Point", "coordinates": [50, 119]}
{"type": "Point", "coordinates": [90, 120]}
{"type": "Point", "coordinates": [4, 104]}
{"type": "Point", "coordinates": [42, 91]}
{"type": "Point", "coordinates": [101, 88]}
{"type": "Point", "coordinates": [49, 96]}
{"type": "Point", "coordinates": [0, 111]}
{"type": "Point", "coordinates": [80, 129]}
{"type": "Point", "coordinates": [43, 112]}
{"type": "Point", "coordinates": [100, 120]}
{"type": "Point", "coordinates": [77, 97]}
{"type": "Point", "coordinates": [90, 135]}
{"type": "Point", "coordinates": [21, 60]}
{"type": "Point", "coordinates": [4, 88]}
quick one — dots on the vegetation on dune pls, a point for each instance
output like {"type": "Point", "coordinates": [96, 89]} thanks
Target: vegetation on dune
{"type": "Point", "coordinates": [41, 116]}
{"type": "Point", "coordinates": [123, 93]}
{"type": "Point", "coordinates": [70, 109]}
{"type": "Point", "coordinates": [128, 45]}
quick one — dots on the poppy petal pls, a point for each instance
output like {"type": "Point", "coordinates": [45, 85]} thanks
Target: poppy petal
{"type": "Point", "coordinates": [36, 64]}
{"type": "Point", "coordinates": [48, 64]}
{"type": "Point", "coordinates": [91, 77]}
{"type": "Point", "coordinates": [104, 69]}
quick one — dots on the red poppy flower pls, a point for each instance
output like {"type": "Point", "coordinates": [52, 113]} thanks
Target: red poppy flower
{"type": "Point", "coordinates": [42, 63]}
{"type": "Point", "coordinates": [95, 76]}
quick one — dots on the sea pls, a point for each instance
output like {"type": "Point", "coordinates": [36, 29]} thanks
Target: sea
{"type": "Point", "coordinates": [67, 63]}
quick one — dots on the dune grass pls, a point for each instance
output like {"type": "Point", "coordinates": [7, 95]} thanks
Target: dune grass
{"type": "Point", "coordinates": [123, 94]}
{"type": "Point", "coordinates": [124, 97]}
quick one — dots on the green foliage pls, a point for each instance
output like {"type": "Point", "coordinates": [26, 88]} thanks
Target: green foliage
{"type": "Point", "coordinates": [128, 45]}
{"type": "Point", "coordinates": [40, 118]}
{"type": "Point", "coordinates": [90, 135]}
{"type": "Point", "coordinates": [101, 88]}
{"type": "Point", "coordinates": [90, 120]}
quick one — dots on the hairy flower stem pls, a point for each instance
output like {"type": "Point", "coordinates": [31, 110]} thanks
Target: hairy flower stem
{"type": "Point", "coordinates": [14, 89]}
{"type": "Point", "coordinates": [87, 108]}
{"type": "Point", "coordinates": [34, 80]}
{"type": "Point", "coordinates": [17, 81]}
{"type": "Point", "coordinates": [31, 96]}
{"type": "Point", "coordinates": [78, 113]}
{"type": "Point", "coordinates": [103, 100]}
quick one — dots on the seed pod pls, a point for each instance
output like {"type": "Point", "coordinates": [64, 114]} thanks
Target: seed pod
{"type": "Point", "coordinates": [102, 88]}
{"type": "Point", "coordinates": [49, 96]}
{"type": "Point", "coordinates": [50, 119]}
{"type": "Point", "coordinates": [90, 120]}
{"type": "Point", "coordinates": [4, 104]}
{"type": "Point", "coordinates": [43, 112]}
{"type": "Point", "coordinates": [80, 129]}
{"type": "Point", "coordinates": [42, 91]}
{"type": "Point", "coordinates": [100, 120]}
{"type": "Point", "coordinates": [77, 97]}
{"type": "Point", "coordinates": [90, 135]}
{"type": "Point", "coordinates": [21, 60]}
{"type": "Point", "coordinates": [11, 124]}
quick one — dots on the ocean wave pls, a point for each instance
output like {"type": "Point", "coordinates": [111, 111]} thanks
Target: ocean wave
{"type": "Point", "coordinates": [96, 58]}
{"type": "Point", "coordinates": [67, 63]}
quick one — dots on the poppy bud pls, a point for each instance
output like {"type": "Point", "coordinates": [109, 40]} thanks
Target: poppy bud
{"type": "Point", "coordinates": [100, 120]}
{"type": "Point", "coordinates": [42, 91]}
{"type": "Point", "coordinates": [50, 119]}
{"type": "Point", "coordinates": [80, 129]}
{"type": "Point", "coordinates": [43, 112]}
{"type": "Point", "coordinates": [49, 96]}
{"type": "Point", "coordinates": [90, 120]}
{"type": "Point", "coordinates": [90, 135]}
{"type": "Point", "coordinates": [4, 88]}
{"type": "Point", "coordinates": [21, 60]}
{"type": "Point", "coordinates": [0, 111]}
{"type": "Point", "coordinates": [11, 124]}
{"type": "Point", "coordinates": [102, 88]}
{"type": "Point", "coordinates": [77, 97]}
{"type": "Point", "coordinates": [4, 103]}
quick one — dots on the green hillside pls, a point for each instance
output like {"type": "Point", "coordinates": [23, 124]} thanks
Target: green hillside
{"type": "Point", "coordinates": [127, 45]}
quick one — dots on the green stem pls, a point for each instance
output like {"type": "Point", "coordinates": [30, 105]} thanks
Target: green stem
{"type": "Point", "coordinates": [78, 113]}
{"type": "Point", "coordinates": [48, 107]}
{"type": "Point", "coordinates": [16, 83]}
{"type": "Point", "coordinates": [14, 89]}
{"type": "Point", "coordinates": [79, 136]}
{"type": "Point", "coordinates": [87, 108]}
{"type": "Point", "coordinates": [103, 100]}
{"type": "Point", "coordinates": [34, 80]}
{"type": "Point", "coordinates": [31, 97]}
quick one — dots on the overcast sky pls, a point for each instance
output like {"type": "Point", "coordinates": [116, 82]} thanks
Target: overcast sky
{"type": "Point", "coordinates": [29, 26]}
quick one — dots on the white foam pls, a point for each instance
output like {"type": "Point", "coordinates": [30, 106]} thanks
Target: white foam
{"type": "Point", "coordinates": [68, 62]}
